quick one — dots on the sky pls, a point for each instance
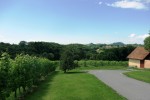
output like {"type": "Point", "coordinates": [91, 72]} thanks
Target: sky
{"type": "Point", "coordinates": [74, 21]}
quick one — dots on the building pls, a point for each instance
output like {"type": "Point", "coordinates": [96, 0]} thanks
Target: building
{"type": "Point", "coordinates": [139, 58]}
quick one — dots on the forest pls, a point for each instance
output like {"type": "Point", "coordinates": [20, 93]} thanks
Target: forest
{"type": "Point", "coordinates": [53, 51]}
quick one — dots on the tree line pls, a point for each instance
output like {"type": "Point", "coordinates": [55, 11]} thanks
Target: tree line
{"type": "Point", "coordinates": [112, 54]}
{"type": "Point", "coordinates": [53, 51]}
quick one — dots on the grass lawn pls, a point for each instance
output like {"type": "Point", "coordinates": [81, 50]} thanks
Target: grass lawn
{"type": "Point", "coordinates": [143, 75]}
{"type": "Point", "coordinates": [73, 86]}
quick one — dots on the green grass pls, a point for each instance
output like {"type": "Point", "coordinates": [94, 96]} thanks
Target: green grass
{"type": "Point", "coordinates": [74, 86]}
{"type": "Point", "coordinates": [102, 67]}
{"type": "Point", "coordinates": [142, 75]}
{"type": "Point", "coordinates": [48, 79]}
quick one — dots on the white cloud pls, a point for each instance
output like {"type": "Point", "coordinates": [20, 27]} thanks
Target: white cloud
{"type": "Point", "coordinates": [132, 35]}
{"type": "Point", "coordinates": [132, 4]}
{"type": "Point", "coordinates": [134, 38]}
{"type": "Point", "coordinates": [142, 36]}
{"type": "Point", "coordinates": [100, 3]}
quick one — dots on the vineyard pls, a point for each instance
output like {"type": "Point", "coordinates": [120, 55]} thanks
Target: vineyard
{"type": "Point", "coordinates": [100, 63]}
{"type": "Point", "coordinates": [22, 73]}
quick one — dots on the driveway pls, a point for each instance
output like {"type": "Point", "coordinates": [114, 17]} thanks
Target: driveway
{"type": "Point", "coordinates": [129, 88]}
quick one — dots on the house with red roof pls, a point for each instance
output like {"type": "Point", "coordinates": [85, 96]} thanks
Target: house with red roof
{"type": "Point", "coordinates": [139, 58]}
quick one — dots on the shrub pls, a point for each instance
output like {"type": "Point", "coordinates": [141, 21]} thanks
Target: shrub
{"type": "Point", "coordinates": [22, 72]}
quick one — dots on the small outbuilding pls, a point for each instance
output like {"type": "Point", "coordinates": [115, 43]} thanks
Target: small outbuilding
{"type": "Point", "coordinates": [139, 58]}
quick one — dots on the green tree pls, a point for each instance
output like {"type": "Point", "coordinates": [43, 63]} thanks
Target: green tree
{"type": "Point", "coordinates": [67, 60]}
{"type": "Point", "coordinates": [4, 76]}
{"type": "Point", "coordinates": [147, 42]}
{"type": "Point", "coordinates": [14, 78]}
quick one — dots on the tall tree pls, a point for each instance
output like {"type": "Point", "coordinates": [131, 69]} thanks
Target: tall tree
{"type": "Point", "coordinates": [67, 60]}
{"type": "Point", "coordinates": [147, 42]}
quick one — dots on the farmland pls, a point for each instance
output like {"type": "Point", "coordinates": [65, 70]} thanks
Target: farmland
{"type": "Point", "coordinates": [48, 49]}
{"type": "Point", "coordinates": [75, 84]}
{"type": "Point", "coordinates": [95, 64]}
{"type": "Point", "coordinates": [23, 72]}
{"type": "Point", "coordinates": [27, 69]}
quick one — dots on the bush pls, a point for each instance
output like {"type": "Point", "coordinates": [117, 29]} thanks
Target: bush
{"type": "Point", "coordinates": [22, 72]}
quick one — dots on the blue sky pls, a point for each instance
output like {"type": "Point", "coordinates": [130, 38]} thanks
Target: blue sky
{"type": "Point", "coordinates": [74, 21]}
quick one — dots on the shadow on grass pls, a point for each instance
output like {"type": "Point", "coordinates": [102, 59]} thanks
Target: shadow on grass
{"type": "Point", "coordinates": [76, 72]}
{"type": "Point", "coordinates": [42, 89]}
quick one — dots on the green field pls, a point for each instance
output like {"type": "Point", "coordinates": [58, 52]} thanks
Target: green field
{"type": "Point", "coordinates": [142, 75]}
{"type": "Point", "coordinates": [99, 64]}
{"type": "Point", "coordinates": [74, 85]}
{"type": "Point", "coordinates": [101, 67]}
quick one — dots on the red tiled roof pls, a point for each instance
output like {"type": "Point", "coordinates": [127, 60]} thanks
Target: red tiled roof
{"type": "Point", "coordinates": [138, 53]}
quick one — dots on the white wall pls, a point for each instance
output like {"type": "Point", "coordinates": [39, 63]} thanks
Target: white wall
{"type": "Point", "coordinates": [134, 63]}
{"type": "Point", "coordinates": [147, 64]}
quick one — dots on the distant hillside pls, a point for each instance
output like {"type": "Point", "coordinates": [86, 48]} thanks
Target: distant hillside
{"type": "Point", "coordinates": [109, 46]}
{"type": "Point", "coordinates": [118, 44]}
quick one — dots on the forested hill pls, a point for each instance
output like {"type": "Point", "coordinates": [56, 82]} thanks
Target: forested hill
{"type": "Point", "coordinates": [53, 51]}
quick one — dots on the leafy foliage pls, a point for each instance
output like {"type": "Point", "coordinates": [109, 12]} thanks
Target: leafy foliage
{"type": "Point", "coordinates": [147, 43]}
{"type": "Point", "coordinates": [53, 51]}
{"type": "Point", "coordinates": [98, 63]}
{"type": "Point", "coordinates": [4, 76]}
{"type": "Point", "coordinates": [67, 60]}
{"type": "Point", "coordinates": [115, 54]}
{"type": "Point", "coordinates": [22, 72]}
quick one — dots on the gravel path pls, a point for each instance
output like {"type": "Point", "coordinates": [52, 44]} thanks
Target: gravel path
{"type": "Point", "coordinates": [129, 88]}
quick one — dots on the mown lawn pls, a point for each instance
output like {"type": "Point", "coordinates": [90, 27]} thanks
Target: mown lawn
{"type": "Point", "coordinates": [142, 75]}
{"type": "Point", "coordinates": [74, 86]}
